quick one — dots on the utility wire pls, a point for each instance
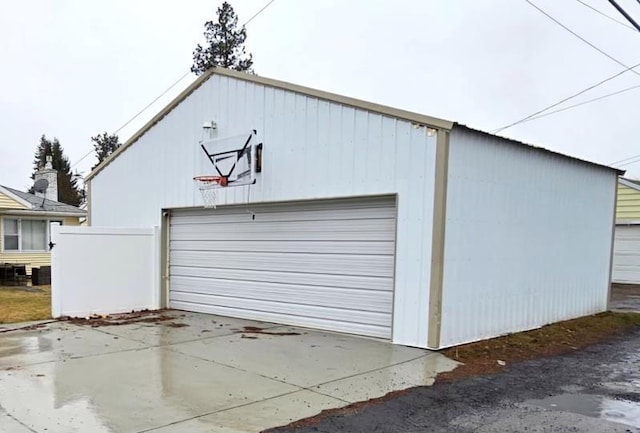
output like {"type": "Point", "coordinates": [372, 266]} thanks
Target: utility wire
{"type": "Point", "coordinates": [630, 162]}
{"type": "Point", "coordinates": [569, 107]}
{"type": "Point", "coordinates": [258, 13]}
{"type": "Point", "coordinates": [605, 15]}
{"type": "Point", "coordinates": [175, 83]}
{"type": "Point", "coordinates": [579, 37]}
{"type": "Point", "coordinates": [625, 14]}
{"type": "Point", "coordinates": [167, 90]}
{"type": "Point", "coordinates": [538, 113]}
{"type": "Point", "coordinates": [626, 159]}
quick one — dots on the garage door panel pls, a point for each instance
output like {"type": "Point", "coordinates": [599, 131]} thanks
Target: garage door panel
{"type": "Point", "coordinates": [327, 280]}
{"type": "Point", "coordinates": [317, 247]}
{"type": "Point", "coordinates": [324, 263]}
{"type": "Point", "coordinates": [323, 296]}
{"type": "Point", "coordinates": [245, 215]}
{"type": "Point", "coordinates": [335, 264]}
{"type": "Point", "coordinates": [291, 235]}
{"type": "Point", "coordinates": [338, 314]}
{"type": "Point", "coordinates": [256, 228]}
{"type": "Point", "coordinates": [290, 319]}
{"type": "Point", "coordinates": [340, 207]}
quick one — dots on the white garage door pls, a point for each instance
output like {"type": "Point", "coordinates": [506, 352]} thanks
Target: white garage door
{"type": "Point", "coordinates": [326, 264]}
{"type": "Point", "coordinates": [626, 257]}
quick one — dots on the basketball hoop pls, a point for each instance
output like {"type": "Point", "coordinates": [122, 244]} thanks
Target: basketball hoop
{"type": "Point", "coordinates": [208, 186]}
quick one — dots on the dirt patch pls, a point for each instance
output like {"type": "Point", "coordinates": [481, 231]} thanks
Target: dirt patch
{"type": "Point", "coordinates": [491, 356]}
{"type": "Point", "coordinates": [27, 328]}
{"type": "Point", "coordinates": [262, 331]}
{"type": "Point", "coordinates": [175, 325]}
{"type": "Point", "coordinates": [143, 316]}
{"type": "Point", "coordinates": [250, 337]}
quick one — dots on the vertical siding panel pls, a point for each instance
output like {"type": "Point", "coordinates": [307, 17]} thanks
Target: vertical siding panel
{"type": "Point", "coordinates": [312, 172]}
{"type": "Point", "coordinates": [388, 159]}
{"type": "Point", "coordinates": [347, 149]}
{"type": "Point", "coordinates": [325, 169]}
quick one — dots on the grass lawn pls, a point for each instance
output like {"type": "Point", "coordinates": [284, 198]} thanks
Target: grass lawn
{"type": "Point", "coordinates": [21, 306]}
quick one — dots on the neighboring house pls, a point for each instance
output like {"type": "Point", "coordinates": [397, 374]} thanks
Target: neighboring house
{"type": "Point", "coordinates": [626, 263]}
{"type": "Point", "coordinates": [364, 219]}
{"type": "Point", "coordinates": [25, 221]}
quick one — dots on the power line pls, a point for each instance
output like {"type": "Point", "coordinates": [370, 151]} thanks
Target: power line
{"type": "Point", "coordinates": [605, 15]}
{"type": "Point", "coordinates": [539, 112]}
{"type": "Point", "coordinates": [579, 37]}
{"type": "Point", "coordinates": [562, 101]}
{"type": "Point", "coordinates": [637, 86]}
{"type": "Point", "coordinates": [175, 83]}
{"type": "Point", "coordinates": [630, 162]}
{"type": "Point", "coordinates": [167, 90]}
{"type": "Point", "coordinates": [625, 14]}
{"type": "Point", "coordinates": [623, 160]}
{"type": "Point", "coordinates": [258, 13]}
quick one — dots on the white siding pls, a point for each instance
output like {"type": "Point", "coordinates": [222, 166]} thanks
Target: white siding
{"type": "Point", "coordinates": [312, 149]}
{"type": "Point", "coordinates": [626, 259]}
{"type": "Point", "coordinates": [528, 238]}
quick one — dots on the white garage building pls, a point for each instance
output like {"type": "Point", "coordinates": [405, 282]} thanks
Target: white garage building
{"type": "Point", "coordinates": [362, 218]}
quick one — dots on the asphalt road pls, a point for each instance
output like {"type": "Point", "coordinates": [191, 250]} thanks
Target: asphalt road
{"type": "Point", "coordinates": [593, 390]}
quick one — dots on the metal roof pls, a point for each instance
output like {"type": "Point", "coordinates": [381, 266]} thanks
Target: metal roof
{"type": "Point", "coordinates": [345, 100]}
{"type": "Point", "coordinates": [39, 204]}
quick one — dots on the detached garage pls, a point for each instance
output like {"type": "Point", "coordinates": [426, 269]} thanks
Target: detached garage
{"type": "Point", "coordinates": [344, 215]}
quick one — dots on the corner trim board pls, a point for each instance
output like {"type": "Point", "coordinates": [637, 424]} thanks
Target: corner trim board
{"type": "Point", "coordinates": [438, 239]}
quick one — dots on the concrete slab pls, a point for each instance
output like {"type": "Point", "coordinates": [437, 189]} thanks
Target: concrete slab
{"type": "Point", "coordinates": [184, 327]}
{"type": "Point", "coordinates": [307, 359]}
{"type": "Point", "coordinates": [56, 342]}
{"type": "Point", "coordinates": [418, 372]}
{"type": "Point", "coordinates": [9, 425]}
{"type": "Point", "coordinates": [191, 374]}
{"type": "Point", "coordinates": [258, 416]}
{"type": "Point", "coordinates": [127, 392]}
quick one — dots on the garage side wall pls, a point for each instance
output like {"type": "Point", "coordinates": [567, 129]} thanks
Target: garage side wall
{"type": "Point", "coordinates": [312, 149]}
{"type": "Point", "coordinates": [527, 240]}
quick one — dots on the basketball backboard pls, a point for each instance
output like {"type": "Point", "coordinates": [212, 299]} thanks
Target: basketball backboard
{"type": "Point", "coordinates": [237, 158]}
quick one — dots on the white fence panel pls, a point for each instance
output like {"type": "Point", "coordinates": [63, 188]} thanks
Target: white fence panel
{"type": "Point", "coordinates": [99, 270]}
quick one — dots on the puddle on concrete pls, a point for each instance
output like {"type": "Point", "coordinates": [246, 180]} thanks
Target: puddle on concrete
{"type": "Point", "coordinates": [596, 406]}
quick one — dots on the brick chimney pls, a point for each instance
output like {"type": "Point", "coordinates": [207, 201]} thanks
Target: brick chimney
{"type": "Point", "coordinates": [51, 175]}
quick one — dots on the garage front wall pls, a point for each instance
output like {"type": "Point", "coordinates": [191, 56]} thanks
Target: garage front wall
{"type": "Point", "coordinates": [313, 149]}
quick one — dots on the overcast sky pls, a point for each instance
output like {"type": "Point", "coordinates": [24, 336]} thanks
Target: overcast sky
{"type": "Point", "coordinates": [72, 69]}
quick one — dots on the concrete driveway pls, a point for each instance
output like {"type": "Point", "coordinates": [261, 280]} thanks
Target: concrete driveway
{"type": "Point", "coordinates": [188, 372]}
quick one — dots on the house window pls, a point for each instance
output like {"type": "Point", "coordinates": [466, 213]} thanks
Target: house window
{"type": "Point", "coordinates": [25, 234]}
{"type": "Point", "coordinates": [11, 235]}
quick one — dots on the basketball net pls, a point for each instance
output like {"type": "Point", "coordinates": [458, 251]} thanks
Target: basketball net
{"type": "Point", "coordinates": [208, 186]}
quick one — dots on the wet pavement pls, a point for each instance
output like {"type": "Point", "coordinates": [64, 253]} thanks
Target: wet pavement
{"type": "Point", "coordinates": [625, 297]}
{"type": "Point", "coordinates": [189, 372]}
{"type": "Point", "coordinates": [591, 391]}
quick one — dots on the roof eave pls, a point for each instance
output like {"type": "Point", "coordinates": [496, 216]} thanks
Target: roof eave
{"type": "Point", "coordinates": [11, 195]}
{"type": "Point", "coordinates": [618, 171]}
{"type": "Point", "coordinates": [631, 185]}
